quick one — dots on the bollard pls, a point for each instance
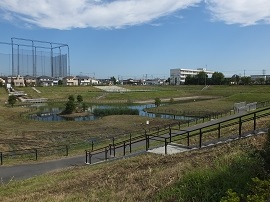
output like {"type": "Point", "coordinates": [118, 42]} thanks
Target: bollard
{"type": "Point", "coordinates": [1, 158]}
{"type": "Point", "coordinates": [92, 145]}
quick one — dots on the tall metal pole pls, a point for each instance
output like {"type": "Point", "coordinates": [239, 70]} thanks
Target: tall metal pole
{"type": "Point", "coordinates": [35, 61]}
{"type": "Point", "coordinates": [18, 58]}
{"type": "Point", "coordinates": [12, 52]}
{"type": "Point", "coordinates": [68, 62]}
{"type": "Point", "coordinates": [33, 58]}
{"type": "Point", "coordinates": [52, 74]}
{"type": "Point", "coordinates": [60, 62]}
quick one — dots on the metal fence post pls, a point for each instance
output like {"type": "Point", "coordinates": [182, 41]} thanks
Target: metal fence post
{"type": "Point", "coordinates": [240, 127]}
{"type": "Point", "coordinates": [110, 148]}
{"type": "Point", "coordinates": [106, 155]}
{"type": "Point", "coordinates": [92, 145]}
{"type": "Point", "coordinates": [254, 119]}
{"type": "Point", "coordinates": [1, 158]}
{"type": "Point", "coordinates": [218, 130]}
{"type": "Point", "coordinates": [90, 157]}
{"type": "Point", "coordinates": [170, 132]}
{"type": "Point", "coordinates": [146, 142]}
{"type": "Point", "coordinates": [86, 157]}
{"type": "Point", "coordinates": [188, 139]}
{"type": "Point", "coordinates": [200, 138]}
{"type": "Point", "coordinates": [36, 154]}
{"type": "Point", "coordinates": [124, 148]}
{"type": "Point", "coordinates": [66, 150]}
{"type": "Point", "coordinates": [130, 143]}
{"type": "Point", "coordinates": [165, 145]}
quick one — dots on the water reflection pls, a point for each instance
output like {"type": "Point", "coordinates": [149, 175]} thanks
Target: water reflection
{"type": "Point", "coordinates": [52, 113]}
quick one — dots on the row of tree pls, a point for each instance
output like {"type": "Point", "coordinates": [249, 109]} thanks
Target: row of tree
{"type": "Point", "coordinates": [218, 78]}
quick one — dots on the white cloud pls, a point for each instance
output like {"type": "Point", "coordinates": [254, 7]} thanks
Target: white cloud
{"type": "Point", "coordinates": [68, 14]}
{"type": "Point", "coordinates": [243, 12]}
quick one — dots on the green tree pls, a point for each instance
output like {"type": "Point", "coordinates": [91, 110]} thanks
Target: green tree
{"type": "Point", "coordinates": [70, 107]}
{"type": "Point", "coordinates": [217, 78]}
{"type": "Point", "coordinates": [246, 80]}
{"type": "Point", "coordinates": [12, 100]}
{"type": "Point", "coordinates": [71, 98]}
{"type": "Point", "coordinates": [60, 82]}
{"type": "Point", "coordinates": [201, 78]}
{"type": "Point", "coordinates": [113, 79]}
{"type": "Point", "coordinates": [84, 106]}
{"type": "Point", "coordinates": [79, 98]}
{"type": "Point", "coordinates": [190, 80]}
{"type": "Point", "coordinates": [157, 102]}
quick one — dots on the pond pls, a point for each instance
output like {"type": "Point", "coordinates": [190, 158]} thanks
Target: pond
{"type": "Point", "coordinates": [51, 113]}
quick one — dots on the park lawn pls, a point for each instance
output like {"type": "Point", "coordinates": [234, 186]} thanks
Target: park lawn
{"type": "Point", "coordinates": [62, 92]}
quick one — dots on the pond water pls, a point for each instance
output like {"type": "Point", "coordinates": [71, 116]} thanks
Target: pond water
{"type": "Point", "coordinates": [51, 113]}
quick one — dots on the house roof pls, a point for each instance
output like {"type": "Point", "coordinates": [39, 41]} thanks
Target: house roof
{"type": "Point", "coordinates": [83, 77]}
{"type": "Point", "coordinates": [45, 77]}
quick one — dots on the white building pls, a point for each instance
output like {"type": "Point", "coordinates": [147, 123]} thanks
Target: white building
{"type": "Point", "coordinates": [178, 76]}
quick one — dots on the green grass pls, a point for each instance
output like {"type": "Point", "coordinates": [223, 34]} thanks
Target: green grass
{"type": "Point", "coordinates": [146, 177]}
{"type": "Point", "coordinates": [234, 171]}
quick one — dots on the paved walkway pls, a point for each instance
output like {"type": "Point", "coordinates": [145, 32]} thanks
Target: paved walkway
{"type": "Point", "coordinates": [24, 171]}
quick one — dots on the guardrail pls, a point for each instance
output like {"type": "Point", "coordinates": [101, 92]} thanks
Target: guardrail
{"type": "Point", "coordinates": [189, 138]}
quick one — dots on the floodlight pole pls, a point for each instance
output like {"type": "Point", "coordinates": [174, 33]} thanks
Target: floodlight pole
{"type": "Point", "coordinates": [18, 66]}
{"type": "Point", "coordinates": [12, 51]}
{"type": "Point", "coordinates": [51, 60]}
{"type": "Point", "coordinates": [68, 62]}
{"type": "Point", "coordinates": [33, 58]}
{"type": "Point", "coordinates": [60, 62]}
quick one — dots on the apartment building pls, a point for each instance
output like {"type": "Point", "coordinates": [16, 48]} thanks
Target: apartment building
{"type": "Point", "coordinates": [178, 76]}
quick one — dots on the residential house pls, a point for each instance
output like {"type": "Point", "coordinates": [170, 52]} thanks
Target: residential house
{"type": "Point", "coordinates": [84, 80]}
{"type": "Point", "coordinates": [45, 81]}
{"type": "Point", "coordinates": [18, 81]}
{"type": "Point", "coordinates": [70, 81]}
{"type": "Point", "coordinates": [30, 80]}
{"type": "Point", "coordinates": [2, 81]}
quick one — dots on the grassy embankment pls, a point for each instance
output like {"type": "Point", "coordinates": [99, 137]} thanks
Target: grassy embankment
{"type": "Point", "coordinates": [19, 133]}
{"type": "Point", "coordinates": [205, 174]}
{"type": "Point", "coordinates": [202, 175]}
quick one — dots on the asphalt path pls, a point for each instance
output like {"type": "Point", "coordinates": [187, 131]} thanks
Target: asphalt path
{"type": "Point", "coordinates": [24, 171]}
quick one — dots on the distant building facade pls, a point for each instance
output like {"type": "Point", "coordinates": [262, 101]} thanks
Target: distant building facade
{"type": "Point", "coordinates": [260, 77]}
{"type": "Point", "coordinates": [178, 76]}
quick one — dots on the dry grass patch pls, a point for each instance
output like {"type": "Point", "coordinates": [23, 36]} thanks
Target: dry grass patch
{"type": "Point", "coordinates": [135, 179]}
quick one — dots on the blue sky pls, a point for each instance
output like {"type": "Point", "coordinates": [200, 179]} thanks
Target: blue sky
{"type": "Point", "coordinates": [135, 38]}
